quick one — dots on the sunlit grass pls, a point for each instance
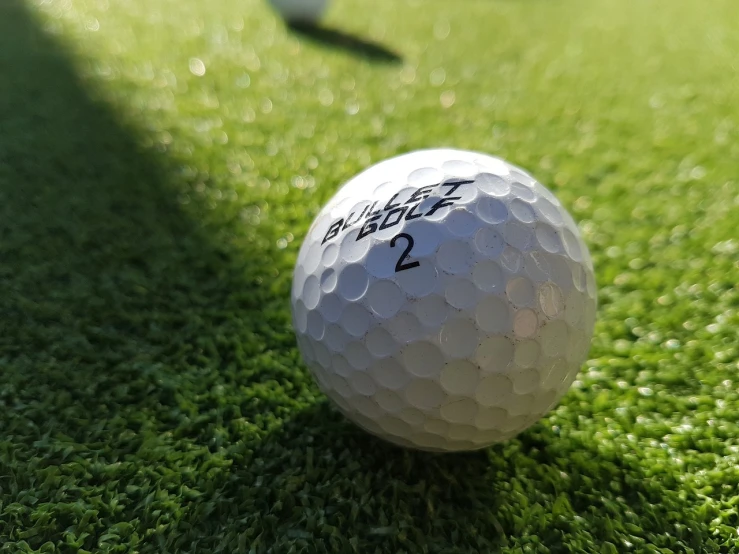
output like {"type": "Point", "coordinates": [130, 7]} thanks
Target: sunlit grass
{"type": "Point", "coordinates": [160, 163]}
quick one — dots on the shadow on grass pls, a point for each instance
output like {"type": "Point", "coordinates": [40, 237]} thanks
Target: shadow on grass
{"type": "Point", "coordinates": [135, 341]}
{"type": "Point", "coordinates": [149, 397]}
{"type": "Point", "coordinates": [113, 299]}
{"type": "Point", "coordinates": [320, 480]}
{"type": "Point", "coordinates": [355, 45]}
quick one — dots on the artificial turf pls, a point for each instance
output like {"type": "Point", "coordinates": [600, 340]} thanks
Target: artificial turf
{"type": "Point", "coordinates": [160, 163]}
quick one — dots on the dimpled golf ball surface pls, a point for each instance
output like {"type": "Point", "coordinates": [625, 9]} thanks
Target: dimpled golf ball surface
{"type": "Point", "coordinates": [444, 300]}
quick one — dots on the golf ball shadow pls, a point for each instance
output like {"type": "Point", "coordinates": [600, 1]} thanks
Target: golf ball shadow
{"type": "Point", "coordinates": [342, 40]}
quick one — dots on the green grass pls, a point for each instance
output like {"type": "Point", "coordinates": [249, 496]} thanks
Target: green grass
{"type": "Point", "coordinates": [152, 399]}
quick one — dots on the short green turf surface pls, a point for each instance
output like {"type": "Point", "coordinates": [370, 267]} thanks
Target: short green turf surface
{"type": "Point", "coordinates": [160, 162]}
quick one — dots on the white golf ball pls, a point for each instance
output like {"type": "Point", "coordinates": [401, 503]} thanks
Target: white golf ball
{"type": "Point", "coordinates": [300, 11]}
{"type": "Point", "coordinates": [444, 300]}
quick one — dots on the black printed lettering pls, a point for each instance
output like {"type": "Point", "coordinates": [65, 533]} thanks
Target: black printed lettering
{"type": "Point", "coordinates": [369, 227]}
{"type": "Point", "coordinates": [370, 213]}
{"type": "Point", "coordinates": [420, 194]}
{"type": "Point", "coordinates": [400, 265]}
{"type": "Point", "coordinates": [410, 215]}
{"type": "Point", "coordinates": [454, 186]}
{"type": "Point", "coordinates": [333, 230]}
{"type": "Point", "coordinates": [388, 223]}
{"type": "Point", "coordinates": [349, 221]}
{"type": "Point", "coordinates": [442, 203]}
{"type": "Point", "coordinates": [395, 211]}
{"type": "Point", "coordinates": [389, 206]}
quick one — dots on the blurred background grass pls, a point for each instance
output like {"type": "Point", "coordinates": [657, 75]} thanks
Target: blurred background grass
{"type": "Point", "coordinates": [159, 165]}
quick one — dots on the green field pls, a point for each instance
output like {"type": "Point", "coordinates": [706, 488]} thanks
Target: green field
{"type": "Point", "coordinates": [160, 163]}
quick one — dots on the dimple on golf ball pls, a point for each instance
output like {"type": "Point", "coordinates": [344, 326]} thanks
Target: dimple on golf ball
{"type": "Point", "coordinates": [444, 300]}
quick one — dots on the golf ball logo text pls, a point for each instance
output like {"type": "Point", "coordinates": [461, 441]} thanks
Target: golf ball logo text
{"type": "Point", "coordinates": [397, 209]}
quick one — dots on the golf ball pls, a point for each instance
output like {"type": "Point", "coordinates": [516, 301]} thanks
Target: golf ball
{"type": "Point", "coordinates": [444, 300]}
{"type": "Point", "coordinates": [300, 11]}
